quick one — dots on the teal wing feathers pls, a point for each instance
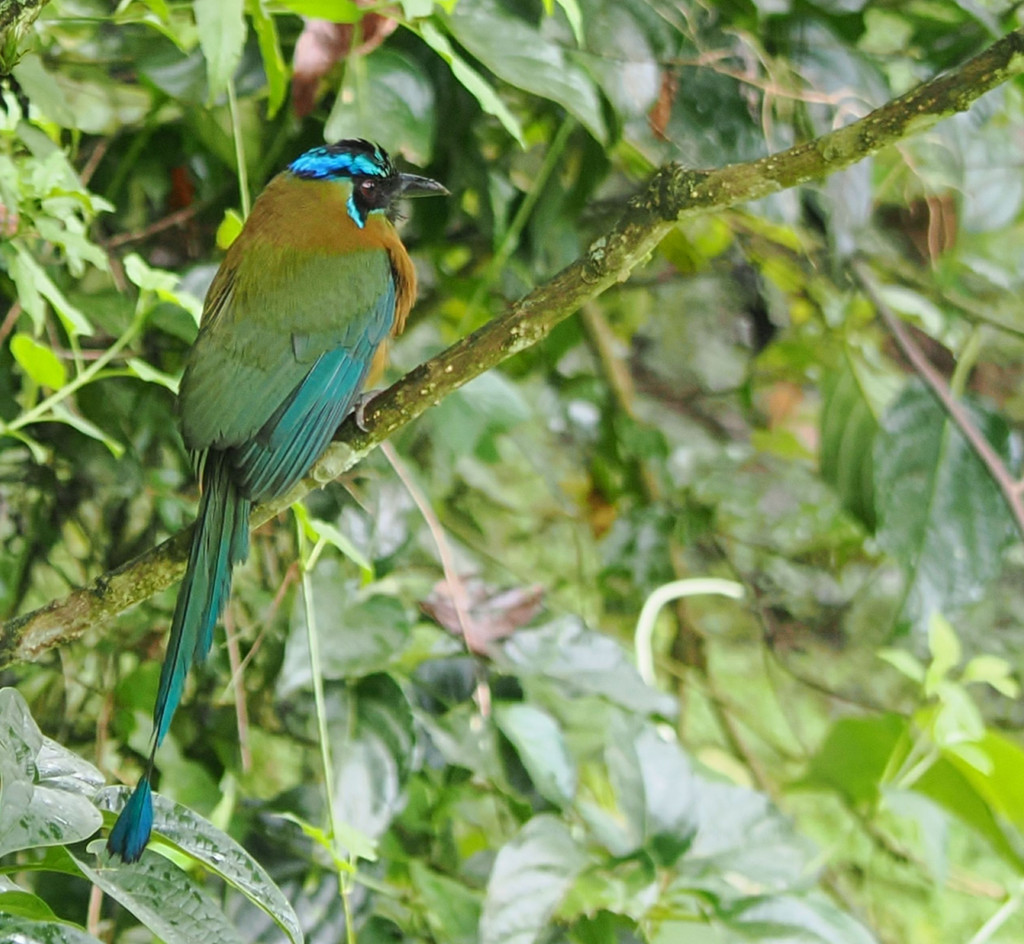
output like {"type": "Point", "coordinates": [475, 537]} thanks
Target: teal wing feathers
{"type": "Point", "coordinates": [291, 331]}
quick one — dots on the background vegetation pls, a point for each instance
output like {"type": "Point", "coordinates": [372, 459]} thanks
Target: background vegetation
{"type": "Point", "coordinates": [821, 745]}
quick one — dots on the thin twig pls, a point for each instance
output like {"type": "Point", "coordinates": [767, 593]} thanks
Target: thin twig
{"type": "Point", "coordinates": [1010, 487]}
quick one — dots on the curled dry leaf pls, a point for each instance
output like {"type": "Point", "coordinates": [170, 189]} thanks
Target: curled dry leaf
{"type": "Point", "coordinates": [491, 616]}
{"type": "Point", "coordinates": [323, 43]}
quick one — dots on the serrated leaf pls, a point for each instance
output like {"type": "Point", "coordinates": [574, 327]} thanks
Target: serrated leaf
{"type": "Point", "coordinates": [38, 361]}
{"type": "Point", "coordinates": [221, 28]}
{"type": "Point", "coordinates": [522, 56]}
{"type": "Point", "coordinates": [541, 747]}
{"type": "Point", "coordinates": [22, 930]}
{"type": "Point", "coordinates": [218, 852]}
{"type": "Point", "coordinates": [940, 514]}
{"type": "Point", "coordinates": [45, 791]}
{"type": "Point", "coordinates": [530, 877]}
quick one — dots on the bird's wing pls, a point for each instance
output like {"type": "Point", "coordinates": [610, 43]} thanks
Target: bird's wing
{"type": "Point", "coordinates": [283, 352]}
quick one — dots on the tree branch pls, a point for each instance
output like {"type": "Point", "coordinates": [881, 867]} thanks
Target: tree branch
{"type": "Point", "coordinates": [673, 194]}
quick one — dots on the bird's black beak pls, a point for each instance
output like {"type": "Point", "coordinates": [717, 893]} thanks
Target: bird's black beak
{"type": "Point", "coordinates": [413, 186]}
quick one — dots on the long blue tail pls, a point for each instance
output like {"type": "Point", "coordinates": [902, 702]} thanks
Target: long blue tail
{"type": "Point", "coordinates": [220, 540]}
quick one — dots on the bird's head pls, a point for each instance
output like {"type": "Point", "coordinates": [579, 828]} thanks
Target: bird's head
{"type": "Point", "coordinates": [367, 168]}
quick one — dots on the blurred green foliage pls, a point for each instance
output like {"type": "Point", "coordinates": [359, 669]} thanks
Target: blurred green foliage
{"type": "Point", "coordinates": [834, 758]}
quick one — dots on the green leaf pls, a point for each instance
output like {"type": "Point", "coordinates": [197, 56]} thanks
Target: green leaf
{"type": "Point", "coordinates": [45, 790]}
{"type": "Point", "coordinates": [23, 930]}
{"type": "Point", "coordinates": [582, 663]}
{"type": "Point", "coordinates": [530, 877]}
{"type": "Point", "coordinates": [452, 910]}
{"type": "Point", "coordinates": [229, 229]}
{"type": "Point", "coordinates": [473, 82]}
{"type": "Point", "coordinates": [221, 27]}
{"type": "Point", "coordinates": [43, 90]}
{"type": "Point", "coordinates": [34, 285]}
{"type": "Point", "coordinates": [994, 671]}
{"type": "Point", "coordinates": [336, 11]}
{"type": "Point", "coordinates": [395, 95]}
{"type": "Point", "coordinates": [200, 839]}
{"type": "Point", "coordinates": [541, 747]}
{"type": "Point", "coordinates": [373, 746]}
{"type": "Point", "coordinates": [522, 56]}
{"type": "Point", "coordinates": [274, 66]}
{"type": "Point", "coordinates": [854, 756]}
{"type": "Point", "coordinates": [855, 396]}
{"type": "Point", "coordinates": [25, 905]}
{"type": "Point", "coordinates": [940, 514]}
{"type": "Point", "coordinates": [38, 361]}
{"type": "Point", "coordinates": [653, 786]}
{"type": "Point", "coordinates": [63, 414]}
{"type": "Point", "coordinates": [945, 650]}
{"type": "Point", "coordinates": [163, 898]}
{"type": "Point", "coordinates": [953, 783]}
{"type": "Point", "coordinates": [357, 635]}
{"type": "Point", "coordinates": [147, 372]}
{"type": "Point", "coordinates": [779, 919]}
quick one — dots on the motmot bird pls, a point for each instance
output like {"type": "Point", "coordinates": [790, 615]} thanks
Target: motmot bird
{"type": "Point", "coordinates": [304, 300]}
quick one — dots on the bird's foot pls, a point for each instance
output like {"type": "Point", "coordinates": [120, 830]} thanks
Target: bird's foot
{"type": "Point", "coordinates": [359, 408]}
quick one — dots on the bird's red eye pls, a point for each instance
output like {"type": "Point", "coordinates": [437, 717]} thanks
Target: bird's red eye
{"type": "Point", "coordinates": [367, 187]}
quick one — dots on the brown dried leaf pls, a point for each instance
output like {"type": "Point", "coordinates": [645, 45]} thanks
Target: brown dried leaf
{"type": "Point", "coordinates": [323, 43]}
{"type": "Point", "coordinates": [490, 616]}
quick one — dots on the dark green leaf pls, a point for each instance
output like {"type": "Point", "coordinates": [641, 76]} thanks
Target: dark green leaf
{"type": "Point", "coordinates": [541, 747]}
{"type": "Point", "coordinates": [356, 636]}
{"type": "Point", "coordinates": [372, 744]}
{"type": "Point", "coordinates": [525, 58]}
{"type": "Point", "coordinates": [531, 875]}
{"type": "Point", "coordinates": [21, 930]}
{"type": "Point", "coordinates": [855, 397]}
{"type": "Point", "coordinates": [940, 514]}
{"type": "Point", "coordinates": [582, 662]}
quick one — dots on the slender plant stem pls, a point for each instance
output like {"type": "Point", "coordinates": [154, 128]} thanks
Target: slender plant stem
{"type": "Point", "coordinates": [306, 563]}
{"type": "Point", "coordinates": [240, 166]}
